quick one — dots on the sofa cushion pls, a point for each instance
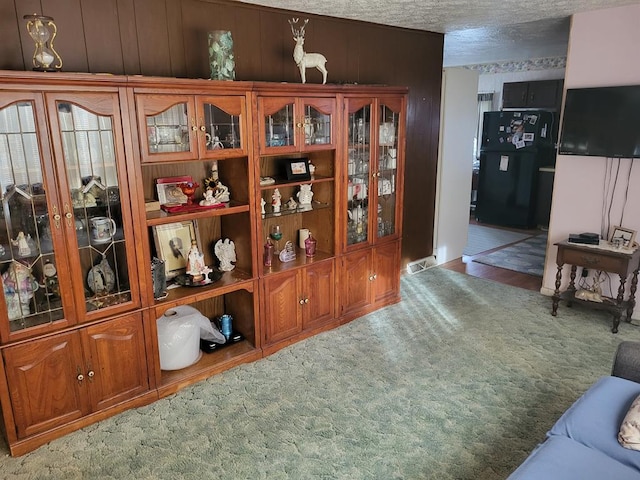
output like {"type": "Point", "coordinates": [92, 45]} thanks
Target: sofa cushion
{"type": "Point", "coordinates": [629, 435]}
{"type": "Point", "coordinates": [594, 419]}
{"type": "Point", "coordinates": [560, 458]}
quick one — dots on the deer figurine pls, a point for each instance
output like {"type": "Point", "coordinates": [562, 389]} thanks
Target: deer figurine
{"type": "Point", "coordinates": [303, 59]}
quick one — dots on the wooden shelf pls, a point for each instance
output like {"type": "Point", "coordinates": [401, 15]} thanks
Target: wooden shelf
{"type": "Point", "coordinates": [209, 364]}
{"type": "Point", "coordinates": [286, 183]}
{"type": "Point", "coordinates": [161, 217]}
{"type": "Point", "coordinates": [301, 261]}
{"type": "Point", "coordinates": [284, 212]}
{"type": "Point", "coordinates": [230, 282]}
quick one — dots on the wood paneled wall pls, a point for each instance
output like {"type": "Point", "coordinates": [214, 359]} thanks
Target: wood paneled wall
{"type": "Point", "coordinates": [168, 38]}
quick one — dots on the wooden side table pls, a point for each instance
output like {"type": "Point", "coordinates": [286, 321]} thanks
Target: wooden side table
{"type": "Point", "coordinates": [622, 262]}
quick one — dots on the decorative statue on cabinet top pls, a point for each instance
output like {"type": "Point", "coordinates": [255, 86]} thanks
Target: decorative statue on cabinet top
{"type": "Point", "coordinates": [306, 60]}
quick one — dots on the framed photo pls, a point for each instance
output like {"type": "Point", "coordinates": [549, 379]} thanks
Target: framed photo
{"type": "Point", "coordinates": [297, 169]}
{"type": "Point", "coordinates": [169, 192]}
{"type": "Point", "coordinates": [626, 237]}
{"type": "Point", "coordinates": [173, 242]}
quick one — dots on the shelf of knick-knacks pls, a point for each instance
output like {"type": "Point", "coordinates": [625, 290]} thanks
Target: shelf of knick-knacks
{"type": "Point", "coordinates": [299, 209]}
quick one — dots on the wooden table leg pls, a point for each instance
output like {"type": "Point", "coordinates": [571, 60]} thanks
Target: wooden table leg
{"type": "Point", "coordinates": [556, 294]}
{"type": "Point", "coordinates": [632, 295]}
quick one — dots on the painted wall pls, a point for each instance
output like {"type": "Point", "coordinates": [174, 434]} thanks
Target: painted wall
{"type": "Point", "coordinates": [458, 120]}
{"type": "Point", "coordinates": [601, 45]}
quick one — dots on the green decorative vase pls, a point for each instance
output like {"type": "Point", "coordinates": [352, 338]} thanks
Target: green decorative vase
{"type": "Point", "coordinates": [223, 65]}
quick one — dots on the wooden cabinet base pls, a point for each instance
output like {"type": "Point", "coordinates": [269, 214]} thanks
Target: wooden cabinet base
{"type": "Point", "coordinates": [21, 447]}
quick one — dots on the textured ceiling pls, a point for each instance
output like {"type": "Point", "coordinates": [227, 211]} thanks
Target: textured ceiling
{"type": "Point", "coordinates": [477, 31]}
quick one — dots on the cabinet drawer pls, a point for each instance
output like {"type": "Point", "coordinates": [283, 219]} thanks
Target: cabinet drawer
{"type": "Point", "coordinates": [593, 260]}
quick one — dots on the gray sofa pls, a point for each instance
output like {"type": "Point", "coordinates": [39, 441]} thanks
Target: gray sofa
{"type": "Point", "coordinates": [583, 444]}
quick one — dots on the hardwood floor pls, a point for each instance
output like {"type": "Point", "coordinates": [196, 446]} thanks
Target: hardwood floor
{"type": "Point", "coordinates": [497, 274]}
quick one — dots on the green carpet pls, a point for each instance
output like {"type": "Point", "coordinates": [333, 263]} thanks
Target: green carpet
{"type": "Point", "coordinates": [458, 381]}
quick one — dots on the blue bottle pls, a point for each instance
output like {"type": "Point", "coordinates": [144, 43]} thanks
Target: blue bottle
{"type": "Point", "coordinates": [226, 326]}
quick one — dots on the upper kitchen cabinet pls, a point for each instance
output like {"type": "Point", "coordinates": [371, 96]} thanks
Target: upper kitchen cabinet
{"type": "Point", "coordinates": [295, 124]}
{"type": "Point", "coordinates": [546, 94]}
{"type": "Point", "coordinates": [189, 127]}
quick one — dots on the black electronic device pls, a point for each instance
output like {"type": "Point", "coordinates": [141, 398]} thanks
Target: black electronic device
{"type": "Point", "coordinates": [209, 346]}
{"type": "Point", "coordinates": [584, 238]}
{"type": "Point", "coordinates": [601, 122]}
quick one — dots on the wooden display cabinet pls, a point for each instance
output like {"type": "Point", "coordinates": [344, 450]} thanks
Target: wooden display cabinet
{"type": "Point", "coordinates": [57, 380]}
{"type": "Point", "coordinates": [372, 197]}
{"type": "Point", "coordinates": [86, 151]}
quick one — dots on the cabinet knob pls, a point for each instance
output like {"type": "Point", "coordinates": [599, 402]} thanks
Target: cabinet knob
{"type": "Point", "coordinates": [371, 278]}
{"type": "Point", "coordinates": [375, 275]}
{"type": "Point", "coordinates": [56, 217]}
{"type": "Point", "coordinates": [68, 215]}
{"type": "Point", "coordinates": [80, 377]}
{"type": "Point", "coordinates": [91, 374]}
{"type": "Point", "coordinates": [299, 125]}
{"type": "Point", "coordinates": [302, 301]}
{"type": "Point", "coordinates": [203, 128]}
{"type": "Point", "coordinates": [306, 300]}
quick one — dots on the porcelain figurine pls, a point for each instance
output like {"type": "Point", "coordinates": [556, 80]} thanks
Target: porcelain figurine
{"type": "Point", "coordinates": [196, 267]}
{"type": "Point", "coordinates": [276, 201]}
{"type": "Point", "coordinates": [22, 244]}
{"type": "Point", "coordinates": [305, 195]}
{"type": "Point", "coordinates": [19, 287]}
{"type": "Point", "coordinates": [101, 278]}
{"type": "Point", "coordinates": [292, 204]}
{"type": "Point", "coordinates": [303, 59]}
{"type": "Point", "coordinates": [262, 204]}
{"type": "Point", "coordinates": [208, 198]}
{"type": "Point", "coordinates": [225, 250]}
{"type": "Point", "coordinates": [221, 193]}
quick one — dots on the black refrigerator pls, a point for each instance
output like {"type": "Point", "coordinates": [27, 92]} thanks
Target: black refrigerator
{"type": "Point", "coordinates": [515, 145]}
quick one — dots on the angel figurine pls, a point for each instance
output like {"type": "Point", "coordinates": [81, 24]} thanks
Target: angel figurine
{"type": "Point", "coordinates": [226, 253]}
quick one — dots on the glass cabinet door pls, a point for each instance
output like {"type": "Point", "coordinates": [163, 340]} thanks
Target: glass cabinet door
{"type": "Point", "coordinates": [221, 128]}
{"type": "Point", "coordinates": [386, 175]}
{"type": "Point", "coordinates": [91, 160]}
{"type": "Point", "coordinates": [358, 167]}
{"type": "Point", "coordinates": [277, 124]}
{"type": "Point", "coordinates": [317, 122]}
{"type": "Point", "coordinates": [32, 270]}
{"type": "Point", "coordinates": [166, 133]}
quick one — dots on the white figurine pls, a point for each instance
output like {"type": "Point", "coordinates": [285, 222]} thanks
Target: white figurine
{"type": "Point", "coordinates": [306, 60]}
{"type": "Point", "coordinates": [226, 253]}
{"type": "Point", "coordinates": [22, 244]}
{"type": "Point", "coordinates": [305, 195]}
{"type": "Point", "coordinates": [276, 201]}
{"type": "Point", "coordinates": [262, 204]}
{"type": "Point", "coordinates": [292, 204]}
{"type": "Point", "coordinates": [221, 193]}
{"type": "Point", "coordinates": [196, 267]}
{"type": "Point", "coordinates": [208, 199]}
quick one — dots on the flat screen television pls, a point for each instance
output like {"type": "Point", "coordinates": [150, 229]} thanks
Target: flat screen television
{"type": "Point", "coordinates": [601, 122]}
